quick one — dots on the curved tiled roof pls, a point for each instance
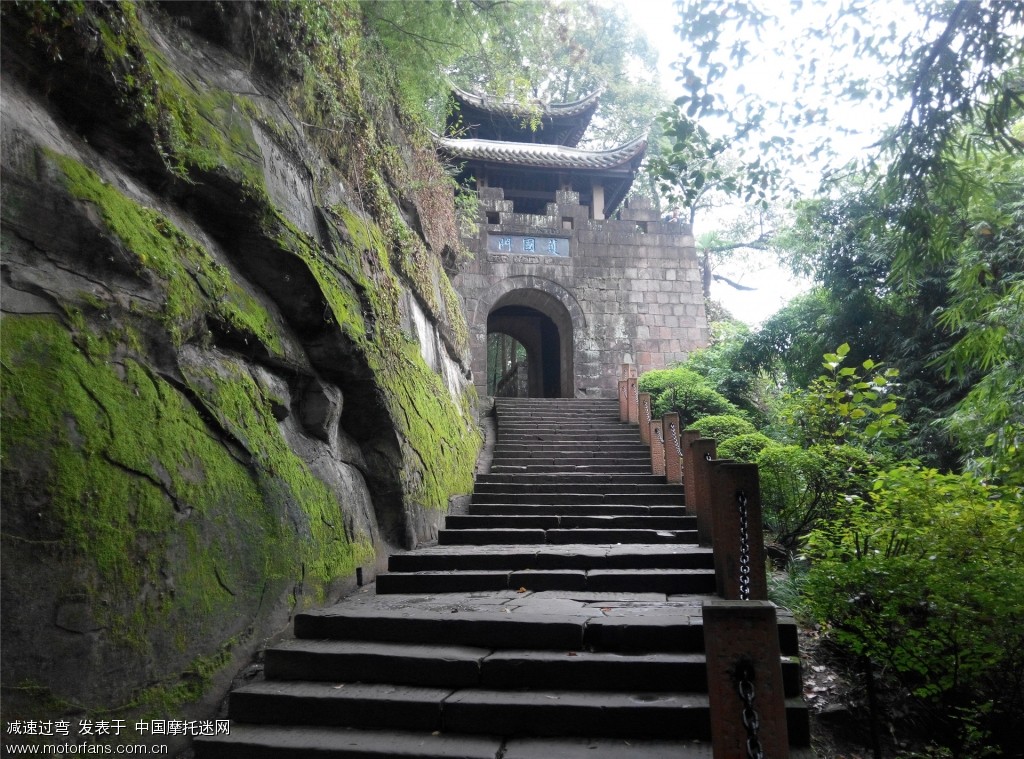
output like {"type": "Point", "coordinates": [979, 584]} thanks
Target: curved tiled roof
{"type": "Point", "coordinates": [552, 110]}
{"type": "Point", "coordinates": [541, 155]}
{"type": "Point", "coordinates": [489, 118]}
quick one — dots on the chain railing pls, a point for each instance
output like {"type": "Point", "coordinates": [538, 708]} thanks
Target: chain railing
{"type": "Point", "coordinates": [751, 722]}
{"type": "Point", "coordinates": [674, 433]}
{"type": "Point", "coordinates": [742, 503]}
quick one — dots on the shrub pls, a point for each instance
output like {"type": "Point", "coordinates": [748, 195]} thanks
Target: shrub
{"type": "Point", "coordinates": [691, 402]}
{"type": "Point", "coordinates": [924, 576]}
{"type": "Point", "coordinates": [658, 380]}
{"type": "Point", "coordinates": [722, 427]}
{"type": "Point", "coordinates": [802, 487]}
{"type": "Point", "coordinates": [745, 447]}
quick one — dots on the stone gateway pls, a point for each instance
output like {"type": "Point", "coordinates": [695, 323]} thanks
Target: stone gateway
{"type": "Point", "coordinates": [577, 278]}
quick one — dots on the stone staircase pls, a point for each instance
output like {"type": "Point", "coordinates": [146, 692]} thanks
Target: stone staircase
{"type": "Point", "coordinates": [559, 618]}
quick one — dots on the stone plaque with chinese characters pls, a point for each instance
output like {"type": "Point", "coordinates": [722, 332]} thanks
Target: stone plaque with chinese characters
{"type": "Point", "coordinates": [528, 244]}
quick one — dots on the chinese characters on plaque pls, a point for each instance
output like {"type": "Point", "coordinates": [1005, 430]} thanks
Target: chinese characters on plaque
{"type": "Point", "coordinates": [528, 244]}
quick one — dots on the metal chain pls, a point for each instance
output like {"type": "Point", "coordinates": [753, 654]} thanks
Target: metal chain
{"type": "Point", "coordinates": [675, 438]}
{"type": "Point", "coordinates": [744, 548]}
{"type": "Point", "coordinates": [745, 686]}
{"type": "Point", "coordinates": [659, 435]}
{"type": "Point", "coordinates": [647, 409]}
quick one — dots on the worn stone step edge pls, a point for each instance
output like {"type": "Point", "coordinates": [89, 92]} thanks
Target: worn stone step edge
{"type": "Point", "coordinates": [488, 711]}
{"type": "Point", "coordinates": [462, 667]}
{"type": "Point", "coordinates": [570, 521]}
{"type": "Point", "coordinates": [682, 631]}
{"type": "Point", "coordinates": [559, 536]}
{"type": "Point", "coordinates": [298, 742]}
{"type": "Point", "coordinates": [667, 581]}
{"type": "Point", "coordinates": [592, 509]}
{"type": "Point", "coordinates": [511, 558]}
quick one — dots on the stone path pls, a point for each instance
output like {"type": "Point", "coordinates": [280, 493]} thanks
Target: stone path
{"type": "Point", "coordinates": [559, 618]}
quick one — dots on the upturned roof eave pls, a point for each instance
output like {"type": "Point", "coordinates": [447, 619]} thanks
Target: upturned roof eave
{"type": "Point", "coordinates": [568, 110]}
{"type": "Point", "coordinates": [542, 156]}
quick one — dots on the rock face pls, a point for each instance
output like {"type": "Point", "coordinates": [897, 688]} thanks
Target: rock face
{"type": "Point", "coordinates": [234, 369]}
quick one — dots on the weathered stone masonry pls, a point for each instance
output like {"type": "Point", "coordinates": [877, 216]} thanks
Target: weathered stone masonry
{"type": "Point", "coordinates": [581, 281]}
{"type": "Point", "coordinates": [628, 292]}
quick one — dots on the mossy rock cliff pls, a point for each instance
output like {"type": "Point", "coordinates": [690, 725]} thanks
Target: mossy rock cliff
{"type": "Point", "coordinates": [218, 395]}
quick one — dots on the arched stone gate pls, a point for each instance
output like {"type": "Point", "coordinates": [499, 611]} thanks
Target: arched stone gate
{"type": "Point", "coordinates": [541, 315]}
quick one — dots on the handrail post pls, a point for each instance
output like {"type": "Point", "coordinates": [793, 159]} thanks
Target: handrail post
{"type": "Point", "coordinates": [632, 401]}
{"type": "Point", "coordinates": [697, 469]}
{"type": "Point", "coordinates": [744, 671]}
{"type": "Point", "coordinates": [623, 400]}
{"type": "Point", "coordinates": [656, 434]}
{"type": "Point", "coordinates": [736, 531]}
{"type": "Point", "coordinates": [645, 418]}
{"type": "Point", "coordinates": [673, 449]}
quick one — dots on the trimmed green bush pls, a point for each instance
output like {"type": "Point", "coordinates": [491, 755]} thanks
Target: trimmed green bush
{"type": "Point", "coordinates": [722, 427]}
{"type": "Point", "coordinates": [745, 447]}
{"type": "Point", "coordinates": [658, 380]}
{"type": "Point", "coordinates": [691, 402]}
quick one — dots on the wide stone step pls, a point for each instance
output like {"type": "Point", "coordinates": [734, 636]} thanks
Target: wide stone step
{"type": "Point", "coordinates": [584, 509]}
{"type": "Point", "coordinates": [553, 521]}
{"type": "Point", "coordinates": [299, 742]}
{"type": "Point", "coordinates": [670, 627]}
{"type": "Point", "coordinates": [667, 581]}
{"type": "Point", "coordinates": [584, 499]}
{"type": "Point", "coordinates": [554, 466]}
{"type": "Point", "coordinates": [570, 556]}
{"type": "Point", "coordinates": [584, 535]}
{"type": "Point", "coordinates": [645, 714]}
{"type": "Point", "coordinates": [603, 485]}
{"type": "Point", "coordinates": [549, 422]}
{"type": "Point", "coordinates": [572, 478]}
{"type": "Point", "coordinates": [570, 438]}
{"type": "Point", "coordinates": [514, 669]}
{"type": "Point", "coordinates": [595, 622]}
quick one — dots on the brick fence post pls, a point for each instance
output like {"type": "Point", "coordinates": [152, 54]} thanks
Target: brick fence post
{"type": "Point", "coordinates": [645, 418]}
{"type": "Point", "coordinates": [623, 400]}
{"type": "Point", "coordinates": [632, 402]}
{"type": "Point", "coordinates": [697, 468]}
{"type": "Point", "coordinates": [658, 447]}
{"type": "Point", "coordinates": [673, 449]}
{"type": "Point", "coordinates": [741, 642]}
{"type": "Point", "coordinates": [736, 518]}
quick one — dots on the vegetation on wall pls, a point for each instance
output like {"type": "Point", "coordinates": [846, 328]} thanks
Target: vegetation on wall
{"type": "Point", "coordinates": [171, 494]}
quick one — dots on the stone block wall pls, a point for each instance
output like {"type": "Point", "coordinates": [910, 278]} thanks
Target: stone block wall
{"type": "Point", "coordinates": [630, 287]}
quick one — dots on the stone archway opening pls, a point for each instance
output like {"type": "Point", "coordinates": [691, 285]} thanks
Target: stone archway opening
{"type": "Point", "coordinates": [530, 346]}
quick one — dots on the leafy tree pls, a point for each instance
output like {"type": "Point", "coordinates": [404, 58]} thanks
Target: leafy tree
{"type": "Point", "coordinates": [942, 63]}
{"type": "Point", "coordinates": [725, 368]}
{"type": "Point", "coordinates": [846, 404]}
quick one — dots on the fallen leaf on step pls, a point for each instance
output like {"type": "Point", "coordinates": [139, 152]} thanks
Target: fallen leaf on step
{"type": "Point", "coordinates": [339, 687]}
{"type": "Point", "coordinates": [572, 653]}
{"type": "Point", "coordinates": [521, 590]}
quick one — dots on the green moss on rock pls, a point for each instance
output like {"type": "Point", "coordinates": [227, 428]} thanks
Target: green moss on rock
{"type": "Point", "coordinates": [194, 282]}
